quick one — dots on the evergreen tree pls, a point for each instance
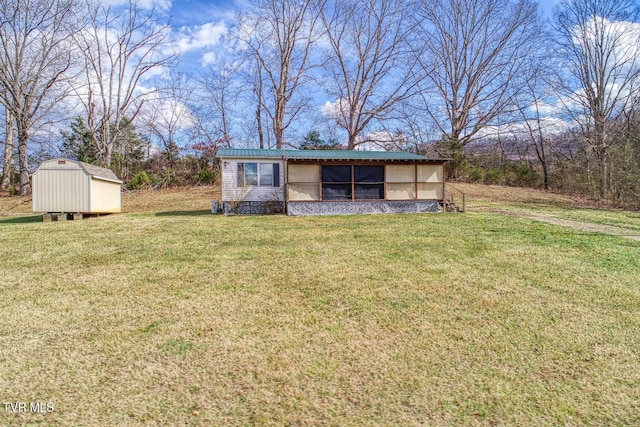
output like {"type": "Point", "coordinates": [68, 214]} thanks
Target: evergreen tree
{"type": "Point", "coordinates": [77, 144]}
{"type": "Point", "coordinates": [313, 142]}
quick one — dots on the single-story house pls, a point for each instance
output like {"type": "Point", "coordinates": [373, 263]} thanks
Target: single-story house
{"type": "Point", "coordinates": [318, 182]}
{"type": "Point", "coordinates": [70, 186]}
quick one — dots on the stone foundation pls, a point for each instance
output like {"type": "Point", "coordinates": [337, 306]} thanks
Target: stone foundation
{"type": "Point", "coordinates": [253, 208]}
{"type": "Point", "coordinates": [346, 208]}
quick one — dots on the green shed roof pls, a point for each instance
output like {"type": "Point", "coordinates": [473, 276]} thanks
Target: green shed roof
{"type": "Point", "coordinates": [319, 154]}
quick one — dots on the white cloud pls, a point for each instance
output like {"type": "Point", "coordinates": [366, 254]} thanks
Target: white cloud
{"type": "Point", "coordinates": [168, 113]}
{"type": "Point", "coordinates": [201, 36]}
{"type": "Point", "coordinates": [621, 35]}
{"type": "Point", "coordinates": [335, 110]}
{"type": "Point", "coordinates": [547, 125]}
{"type": "Point", "coordinates": [208, 58]}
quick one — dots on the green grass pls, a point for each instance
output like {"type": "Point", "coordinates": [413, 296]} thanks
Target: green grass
{"type": "Point", "coordinates": [178, 318]}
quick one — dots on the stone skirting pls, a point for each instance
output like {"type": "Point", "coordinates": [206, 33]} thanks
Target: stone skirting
{"type": "Point", "coordinates": [253, 208]}
{"type": "Point", "coordinates": [345, 208]}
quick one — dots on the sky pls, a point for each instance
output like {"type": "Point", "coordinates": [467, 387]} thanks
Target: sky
{"type": "Point", "coordinates": [547, 5]}
{"type": "Point", "coordinates": [200, 26]}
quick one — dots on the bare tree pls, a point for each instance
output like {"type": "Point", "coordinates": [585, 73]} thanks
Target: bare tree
{"type": "Point", "coordinates": [168, 118]}
{"type": "Point", "coordinates": [258, 91]}
{"type": "Point", "coordinates": [368, 62]}
{"type": "Point", "coordinates": [538, 129]}
{"type": "Point", "coordinates": [121, 48]}
{"type": "Point", "coordinates": [475, 59]}
{"type": "Point", "coordinates": [600, 41]}
{"type": "Point", "coordinates": [35, 58]}
{"type": "Point", "coordinates": [279, 34]}
{"type": "Point", "coordinates": [220, 91]}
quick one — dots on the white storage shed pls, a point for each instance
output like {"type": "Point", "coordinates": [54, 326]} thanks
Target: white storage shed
{"type": "Point", "coordinates": [69, 186]}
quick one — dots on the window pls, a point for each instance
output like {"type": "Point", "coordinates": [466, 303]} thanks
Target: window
{"type": "Point", "coordinates": [343, 182]}
{"type": "Point", "coordinates": [258, 174]}
{"type": "Point", "coordinates": [266, 174]}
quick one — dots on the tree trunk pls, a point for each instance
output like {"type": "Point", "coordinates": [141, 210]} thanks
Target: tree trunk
{"type": "Point", "coordinates": [351, 144]}
{"type": "Point", "coordinates": [605, 176]}
{"type": "Point", "coordinates": [278, 123]}
{"type": "Point", "coordinates": [545, 174]}
{"type": "Point", "coordinates": [23, 161]}
{"type": "Point", "coordinates": [8, 150]}
{"type": "Point", "coordinates": [259, 123]}
{"type": "Point", "coordinates": [108, 153]}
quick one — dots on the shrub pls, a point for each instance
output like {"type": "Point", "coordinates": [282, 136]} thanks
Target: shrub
{"type": "Point", "coordinates": [494, 176]}
{"type": "Point", "coordinates": [475, 174]}
{"type": "Point", "coordinates": [206, 176]}
{"type": "Point", "coordinates": [522, 175]}
{"type": "Point", "coordinates": [140, 180]}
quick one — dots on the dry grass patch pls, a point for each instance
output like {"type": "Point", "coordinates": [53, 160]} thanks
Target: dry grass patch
{"type": "Point", "coordinates": [481, 195]}
{"type": "Point", "coordinates": [14, 205]}
{"type": "Point", "coordinates": [184, 199]}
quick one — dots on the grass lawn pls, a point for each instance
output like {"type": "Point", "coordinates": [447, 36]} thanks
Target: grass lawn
{"type": "Point", "coordinates": [168, 315]}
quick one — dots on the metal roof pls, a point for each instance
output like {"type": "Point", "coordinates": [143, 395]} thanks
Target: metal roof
{"type": "Point", "coordinates": [250, 152]}
{"type": "Point", "coordinates": [93, 171]}
{"type": "Point", "coordinates": [320, 154]}
{"type": "Point", "coordinates": [99, 172]}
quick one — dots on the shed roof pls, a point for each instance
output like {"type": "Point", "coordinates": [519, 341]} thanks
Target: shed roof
{"type": "Point", "coordinates": [99, 172]}
{"type": "Point", "coordinates": [91, 170]}
{"type": "Point", "coordinates": [321, 154]}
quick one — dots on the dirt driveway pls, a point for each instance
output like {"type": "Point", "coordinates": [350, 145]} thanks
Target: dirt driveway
{"type": "Point", "coordinates": [584, 226]}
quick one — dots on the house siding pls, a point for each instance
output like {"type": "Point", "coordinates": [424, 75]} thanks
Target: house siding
{"type": "Point", "coordinates": [232, 193]}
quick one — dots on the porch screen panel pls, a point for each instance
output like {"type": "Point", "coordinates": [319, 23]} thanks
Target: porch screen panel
{"type": "Point", "coordinates": [336, 191]}
{"type": "Point", "coordinates": [401, 173]}
{"type": "Point", "coordinates": [304, 192]}
{"type": "Point", "coordinates": [430, 173]}
{"type": "Point", "coordinates": [336, 173]}
{"type": "Point", "coordinates": [401, 191]}
{"type": "Point", "coordinates": [304, 173]}
{"type": "Point", "coordinates": [430, 191]}
{"type": "Point", "coordinates": [369, 182]}
{"type": "Point", "coordinates": [367, 173]}
{"type": "Point", "coordinates": [336, 182]}
{"type": "Point", "coordinates": [304, 182]}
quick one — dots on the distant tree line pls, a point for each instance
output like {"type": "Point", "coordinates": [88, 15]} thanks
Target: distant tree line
{"type": "Point", "coordinates": [509, 97]}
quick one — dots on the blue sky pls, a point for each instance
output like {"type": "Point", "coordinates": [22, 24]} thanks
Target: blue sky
{"type": "Point", "coordinates": [200, 25]}
{"type": "Point", "coordinates": [547, 5]}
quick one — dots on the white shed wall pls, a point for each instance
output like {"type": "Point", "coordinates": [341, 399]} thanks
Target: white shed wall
{"type": "Point", "coordinates": [106, 197]}
{"type": "Point", "coordinates": [231, 191]}
{"type": "Point", "coordinates": [60, 190]}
